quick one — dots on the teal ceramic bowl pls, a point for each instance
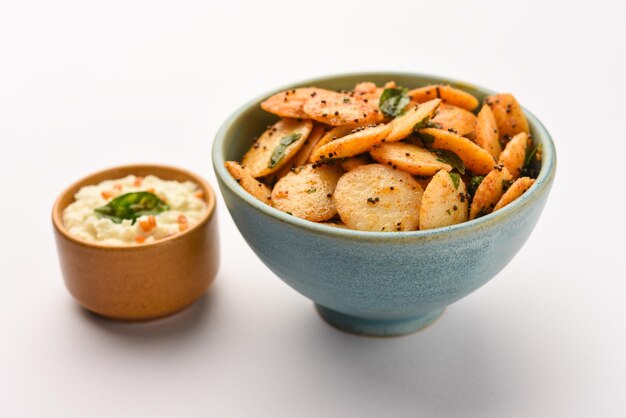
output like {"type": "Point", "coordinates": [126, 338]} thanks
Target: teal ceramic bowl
{"type": "Point", "coordinates": [377, 283]}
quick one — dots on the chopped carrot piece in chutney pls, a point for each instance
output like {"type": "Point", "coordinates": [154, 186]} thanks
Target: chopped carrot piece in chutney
{"type": "Point", "coordinates": [148, 224]}
{"type": "Point", "coordinates": [138, 181]}
{"type": "Point", "coordinates": [182, 219]}
{"type": "Point", "coordinates": [106, 194]}
{"type": "Point", "coordinates": [139, 239]}
{"type": "Point", "coordinates": [145, 226]}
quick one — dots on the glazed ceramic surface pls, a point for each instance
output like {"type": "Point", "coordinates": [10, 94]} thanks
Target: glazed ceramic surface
{"type": "Point", "coordinates": [145, 281]}
{"type": "Point", "coordinates": [377, 283]}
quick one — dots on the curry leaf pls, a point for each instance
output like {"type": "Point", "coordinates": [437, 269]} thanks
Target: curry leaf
{"type": "Point", "coordinates": [393, 101]}
{"type": "Point", "coordinates": [432, 124]}
{"type": "Point", "coordinates": [474, 183]}
{"type": "Point", "coordinates": [427, 139]}
{"type": "Point", "coordinates": [449, 157]}
{"type": "Point", "coordinates": [279, 151]}
{"type": "Point", "coordinates": [421, 124]}
{"type": "Point", "coordinates": [456, 179]}
{"type": "Point", "coordinates": [529, 156]}
{"type": "Point", "coordinates": [132, 206]}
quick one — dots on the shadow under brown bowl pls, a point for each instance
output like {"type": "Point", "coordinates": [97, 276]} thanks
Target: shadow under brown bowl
{"type": "Point", "coordinates": [139, 282]}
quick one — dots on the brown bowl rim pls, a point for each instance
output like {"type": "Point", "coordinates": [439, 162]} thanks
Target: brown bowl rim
{"type": "Point", "coordinates": [57, 220]}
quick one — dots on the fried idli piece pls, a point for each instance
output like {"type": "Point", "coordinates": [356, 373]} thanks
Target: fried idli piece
{"type": "Point", "coordinates": [514, 154]}
{"type": "Point", "coordinates": [444, 201]}
{"type": "Point", "coordinates": [331, 135]}
{"type": "Point", "coordinates": [489, 192]}
{"type": "Point", "coordinates": [447, 94]}
{"type": "Point", "coordinates": [249, 183]}
{"type": "Point", "coordinates": [302, 156]}
{"type": "Point", "coordinates": [375, 197]}
{"type": "Point", "coordinates": [339, 109]}
{"type": "Point", "coordinates": [355, 143]}
{"type": "Point", "coordinates": [461, 121]}
{"type": "Point", "coordinates": [508, 114]}
{"type": "Point", "coordinates": [351, 163]}
{"type": "Point", "coordinates": [307, 192]}
{"type": "Point", "coordinates": [408, 157]}
{"type": "Point", "coordinates": [517, 189]}
{"type": "Point", "coordinates": [487, 135]}
{"type": "Point", "coordinates": [476, 159]}
{"type": "Point", "coordinates": [289, 103]}
{"type": "Point", "coordinates": [368, 91]}
{"type": "Point", "coordinates": [365, 87]}
{"type": "Point", "coordinates": [278, 144]}
{"type": "Point", "coordinates": [413, 118]}
{"type": "Point", "coordinates": [335, 224]}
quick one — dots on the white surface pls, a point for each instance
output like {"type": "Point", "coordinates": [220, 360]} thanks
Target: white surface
{"type": "Point", "coordinates": [86, 85]}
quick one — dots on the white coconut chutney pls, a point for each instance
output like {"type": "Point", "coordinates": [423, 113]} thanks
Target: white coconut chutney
{"type": "Point", "coordinates": [185, 201]}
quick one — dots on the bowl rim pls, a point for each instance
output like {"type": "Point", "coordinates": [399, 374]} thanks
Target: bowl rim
{"type": "Point", "coordinates": [540, 186]}
{"type": "Point", "coordinates": [57, 210]}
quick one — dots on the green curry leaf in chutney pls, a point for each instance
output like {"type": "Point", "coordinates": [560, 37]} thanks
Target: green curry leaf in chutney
{"type": "Point", "coordinates": [132, 206]}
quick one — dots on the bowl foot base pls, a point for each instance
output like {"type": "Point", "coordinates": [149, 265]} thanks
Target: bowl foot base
{"type": "Point", "coordinates": [376, 327]}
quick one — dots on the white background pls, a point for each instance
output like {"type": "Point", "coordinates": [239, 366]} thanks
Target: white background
{"type": "Point", "coordinates": [86, 85]}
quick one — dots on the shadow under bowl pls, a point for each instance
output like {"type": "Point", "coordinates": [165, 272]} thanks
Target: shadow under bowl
{"type": "Point", "coordinates": [139, 282]}
{"type": "Point", "coordinates": [377, 283]}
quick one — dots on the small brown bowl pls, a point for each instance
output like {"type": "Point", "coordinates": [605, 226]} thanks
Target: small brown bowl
{"type": "Point", "coordinates": [139, 282]}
